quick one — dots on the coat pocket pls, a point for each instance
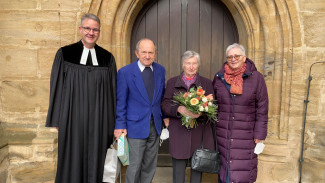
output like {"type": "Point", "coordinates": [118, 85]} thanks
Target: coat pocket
{"type": "Point", "coordinates": [132, 117]}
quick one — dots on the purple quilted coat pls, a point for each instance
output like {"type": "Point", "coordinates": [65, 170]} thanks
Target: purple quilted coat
{"type": "Point", "coordinates": [241, 118]}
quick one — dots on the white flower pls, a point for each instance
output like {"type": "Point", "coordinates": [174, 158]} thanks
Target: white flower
{"type": "Point", "coordinates": [206, 109]}
{"type": "Point", "coordinates": [201, 108]}
{"type": "Point", "coordinates": [210, 103]}
{"type": "Point", "coordinates": [204, 99]}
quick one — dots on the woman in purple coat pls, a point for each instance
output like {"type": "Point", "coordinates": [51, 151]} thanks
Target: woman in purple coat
{"type": "Point", "coordinates": [183, 142]}
{"type": "Point", "coordinates": [242, 99]}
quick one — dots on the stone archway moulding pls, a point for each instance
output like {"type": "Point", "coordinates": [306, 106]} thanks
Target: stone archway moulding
{"type": "Point", "coordinates": [265, 29]}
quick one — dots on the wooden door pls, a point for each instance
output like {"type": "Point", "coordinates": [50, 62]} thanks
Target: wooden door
{"type": "Point", "coordinates": [205, 26]}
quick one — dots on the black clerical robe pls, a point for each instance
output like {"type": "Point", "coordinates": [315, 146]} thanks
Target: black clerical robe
{"type": "Point", "coordinates": [82, 105]}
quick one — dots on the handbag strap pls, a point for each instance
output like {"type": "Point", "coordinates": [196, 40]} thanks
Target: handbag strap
{"type": "Point", "coordinates": [202, 142]}
{"type": "Point", "coordinates": [213, 126]}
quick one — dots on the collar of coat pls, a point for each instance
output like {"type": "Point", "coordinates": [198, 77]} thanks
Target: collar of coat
{"type": "Point", "coordinates": [250, 68]}
{"type": "Point", "coordinates": [180, 83]}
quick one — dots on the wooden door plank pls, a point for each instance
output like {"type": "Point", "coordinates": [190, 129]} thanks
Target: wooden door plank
{"type": "Point", "coordinates": [163, 32]}
{"type": "Point", "coordinates": [217, 45]}
{"type": "Point", "coordinates": [152, 23]}
{"type": "Point", "coordinates": [193, 25]}
{"type": "Point", "coordinates": [139, 33]}
{"type": "Point", "coordinates": [175, 47]}
{"type": "Point", "coordinates": [205, 37]}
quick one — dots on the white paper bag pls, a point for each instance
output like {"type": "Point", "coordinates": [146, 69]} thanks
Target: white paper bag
{"type": "Point", "coordinates": [112, 166]}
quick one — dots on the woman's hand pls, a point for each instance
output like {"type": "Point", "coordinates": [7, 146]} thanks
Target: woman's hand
{"type": "Point", "coordinates": [257, 141]}
{"type": "Point", "coordinates": [166, 121]}
{"type": "Point", "coordinates": [185, 112]}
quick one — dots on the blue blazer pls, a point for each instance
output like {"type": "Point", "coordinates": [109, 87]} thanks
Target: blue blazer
{"type": "Point", "coordinates": [133, 106]}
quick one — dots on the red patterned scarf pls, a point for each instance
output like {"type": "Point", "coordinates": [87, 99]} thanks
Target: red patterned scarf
{"type": "Point", "coordinates": [235, 79]}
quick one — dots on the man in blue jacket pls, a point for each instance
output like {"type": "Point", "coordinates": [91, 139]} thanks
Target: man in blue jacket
{"type": "Point", "coordinates": [140, 89]}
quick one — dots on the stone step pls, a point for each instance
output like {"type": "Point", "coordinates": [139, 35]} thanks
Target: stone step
{"type": "Point", "coordinates": [165, 175]}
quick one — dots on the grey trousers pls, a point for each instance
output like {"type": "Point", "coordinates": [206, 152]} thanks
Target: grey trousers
{"type": "Point", "coordinates": [143, 158]}
{"type": "Point", "coordinates": [179, 172]}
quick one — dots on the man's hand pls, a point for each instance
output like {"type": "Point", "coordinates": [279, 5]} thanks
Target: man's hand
{"type": "Point", "coordinates": [118, 133]}
{"type": "Point", "coordinates": [166, 121]}
{"type": "Point", "coordinates": [57, 128]}
{"type": "Point", "coordinates": [185, 112]}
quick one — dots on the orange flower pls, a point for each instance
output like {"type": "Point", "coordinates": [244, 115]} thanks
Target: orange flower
{"type": "Point", "coordinates": [200, 92]}
{"type": "Point", "coordinates": [194, 101]}
{"type": "Point", "coordinates": [185, 95]}
{"type": "Point", "coordinates": [205, 104]}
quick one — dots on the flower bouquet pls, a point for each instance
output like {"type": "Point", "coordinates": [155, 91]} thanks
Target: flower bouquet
{"type": "Point", "coordinates": [196, 102]}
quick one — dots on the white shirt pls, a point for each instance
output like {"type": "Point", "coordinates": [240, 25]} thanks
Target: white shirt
{"type": "Point", "coordinates": [142, 67]}
{"type": "Point", "coordinates": [84, 56]}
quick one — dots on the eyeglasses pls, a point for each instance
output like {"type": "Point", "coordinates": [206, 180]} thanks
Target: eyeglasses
{"type": "Point", "coordinates": [236, 57]}
{"type": "Point", "coordinates": [88, 29]}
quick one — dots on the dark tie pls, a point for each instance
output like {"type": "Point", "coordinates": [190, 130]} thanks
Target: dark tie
{"type": "Point", "coordinates": [89, 60]}
{"type": "Point", "coordinates": [149, 82]}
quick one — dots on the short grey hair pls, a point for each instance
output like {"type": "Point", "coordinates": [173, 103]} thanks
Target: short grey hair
{"type": "Point", "coordinates": [189, 54]}
{"type": "Point", "coordinates": [236, 45]}
{"type": "Point", "coordinates": [90, 16]}
{"type": "Point", "coordinates": [138, 44]}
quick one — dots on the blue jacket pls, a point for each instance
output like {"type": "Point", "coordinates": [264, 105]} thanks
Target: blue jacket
{"type": "Point", "coordinates": [133, 106]}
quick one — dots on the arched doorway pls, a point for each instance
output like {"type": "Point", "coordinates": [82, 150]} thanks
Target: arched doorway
{"type": "Point", "coordinates": [205, 26]}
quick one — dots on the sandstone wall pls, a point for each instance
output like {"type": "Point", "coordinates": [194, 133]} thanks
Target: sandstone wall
{"type": "Point", "coordinates": [284, 37]}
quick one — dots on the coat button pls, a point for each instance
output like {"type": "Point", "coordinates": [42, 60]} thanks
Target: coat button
{"type": "Point", "coordinates": [230, 161]}
{"type": "Point", "coordinates": [233, 117]}
{"type": "Point", "coordinates": [232, 139]}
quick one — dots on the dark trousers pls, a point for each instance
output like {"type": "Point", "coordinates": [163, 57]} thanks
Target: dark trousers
{"type": "Point", "coordinates": [143, 158]}
{"type": "Point", "coordinates": [179, 172]}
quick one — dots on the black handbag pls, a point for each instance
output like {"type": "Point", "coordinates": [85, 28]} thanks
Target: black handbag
{"type": "Point", "coordinates": [206, 160]}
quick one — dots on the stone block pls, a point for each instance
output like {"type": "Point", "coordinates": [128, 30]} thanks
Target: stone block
{"type": "Point", "coordinates": [314, 33]}
{"type": "Point", "coordinates": [273, 172]}
{"type": "Point", "coordinates": [20, 133]}
{"type": "Point", "coordinates": [37, 28]}
{"type": "Point", "coordinates": [45, 59]}
{"type": "Point", "coordinates": [3, 137]}
{"type": "Point", "coordinates": [18, 5]}
{"type": "Point", "coordinates": [18, 63]}
{"type": "Point", "coordinates": [312, 5]}
{"type": "Point", "coordinates": [47, 152]}
{"type": "Point", "coordinates": [36, 172]}
{"type": "Point", "coordinates": [46, 135]}
{"type": "Point", "coordinates": [312, 174]}
{"type": "Point", "coordinates": [18, 153]}
{"type": "Point", "coordinates": [71, 5]}
{"type": "Point", "coordinates": [4, 163]}
{"type": "Point", "coordinates": [36, 118]}
{"type": "Point", "coordinates": [25, 96]}
{"type": "Point", "coordinates": [298, 93]}
{"type": "Point", "coordinates": [315, 135]}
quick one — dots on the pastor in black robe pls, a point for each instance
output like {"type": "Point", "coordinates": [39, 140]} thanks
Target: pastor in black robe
{"type": "Point", "coordinates": [82, 105]}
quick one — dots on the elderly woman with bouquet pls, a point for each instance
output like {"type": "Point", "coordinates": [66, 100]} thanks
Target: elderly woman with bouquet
{"type": "Point", "coordinates": [188, 102]}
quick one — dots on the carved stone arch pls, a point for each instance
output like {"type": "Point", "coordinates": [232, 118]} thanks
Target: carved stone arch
{"type": "Point", "coordinates": [265, 28]}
